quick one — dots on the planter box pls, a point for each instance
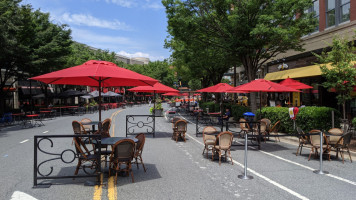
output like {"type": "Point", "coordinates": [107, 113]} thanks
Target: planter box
{"type": "Point", "coordinates": [158, 112]}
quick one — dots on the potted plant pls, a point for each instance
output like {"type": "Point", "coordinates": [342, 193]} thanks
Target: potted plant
{"type": "Point", "coordinates": [157, 110]}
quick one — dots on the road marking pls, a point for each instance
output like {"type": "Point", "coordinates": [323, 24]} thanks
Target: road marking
{"type": "Point", "coordinates": [45, 131]}
{"type": "Point", "coordinates": [112, 192]}
{"type": "Point", "coordinates": [21, 196]}
{"type": "Point", "coordinates": [98, 189]}
{"type": "Point", "coordinates": [261, 176]}
{"type": "Point", "coordinates": [306, 167]}
{"type": "Point", "coordinates": [24, 141]}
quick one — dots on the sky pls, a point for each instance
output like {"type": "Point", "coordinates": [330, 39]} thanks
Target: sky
{"type": "Point", "coordinates": [133, 28]}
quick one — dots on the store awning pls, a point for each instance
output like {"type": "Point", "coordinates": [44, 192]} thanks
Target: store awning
{"type": "Point", "coordinates": [312, 70]}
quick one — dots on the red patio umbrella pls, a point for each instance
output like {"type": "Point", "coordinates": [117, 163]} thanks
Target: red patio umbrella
{"type": "Point", "coordinates": [96, 73]}
{"type": "Point", "coordinates": [156, 88]}
{"type": "Point", "coordinates": [294, 84]}
{"type": "Point", "coordinates": [218, 88]}
{"type": "Point", "coordinates": [262, 85]}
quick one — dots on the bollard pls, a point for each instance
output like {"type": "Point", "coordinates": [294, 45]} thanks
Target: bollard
{"type": "Point", "coordinates": [245, 176]}
{"type": "Point", "coordinates": [320, 171]}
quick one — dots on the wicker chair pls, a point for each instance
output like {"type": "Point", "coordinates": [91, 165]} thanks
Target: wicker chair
{"type": "Point", "coordinates": [315, 142]}
{"type": "Point", "coordinates": [223, 143]}
{"type": "Point", "coordinates": [87, 128]}
{"type": "Point", "coordinates": [342, 145]}
{"type": "Point", "coordinates": [336, 134]}
{"type": "Point", "coordinates": [174, 128]}
{"type": "Point", "coordinates": [123, 153]}
{"type": "Point", "coordinates": [245, 127]}
{"type": "Point", "coordinates": [268, 124]}
{"type": "Point", "coordinates": [85, 156]}
{"type": "Point", "coordinates": [209, 140]}
{"type": "Point", "coordinates": [139, 148]}
{"type": "Point", "coordinates": [78, 128]}
{"type": "Point", "coordinates": [180, 130]}
{"type": "Point", "coordinates": [303, 140]}
{"type": "Point", "coordinates": [274, 130]}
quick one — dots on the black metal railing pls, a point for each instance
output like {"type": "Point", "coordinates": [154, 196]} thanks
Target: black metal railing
{"type": "Point", "coordinates": [136, 124]}
{"type": "Point", "coordinates": [62, 157]}
{"type": "Point", "coordinates": [201, 121]}
{"type": "Point", "coordinates": [254, 133]}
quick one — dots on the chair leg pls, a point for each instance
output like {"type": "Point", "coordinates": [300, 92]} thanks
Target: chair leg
{"type": "Point", "coordinates": [130, 169]}
{"type": "Point", "coordinates": [301, 148]}
{"type": "Point", "coordinates": [184, 137]}
{"type": "Point", "coordinates": [143, 165]}
{"type": "Point", "coordinates": [311, 151]}
{"type": "Point", "coordinates": [342, 155]}
{"type": "Point", "coordinates": [78, 166]}
{"type": "Point", "coordinates": [348, 151]}
{"type": "Point", "coordinates": [297, 150]}
{"type": "Point", "coordinates": [136, 163]}
{"type": "Point", "coordinates": [212, 154]}
{"type": "Point", "coordinates": [219, 157]}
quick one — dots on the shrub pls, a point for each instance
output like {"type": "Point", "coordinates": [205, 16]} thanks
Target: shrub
{"type": "Point", "coordinates": [277, 114]}
{"type": "Point", "coordinates": [237, 111]}
{"type": "Point", "coordinates": [317, 118]}
{"type": "Point", "coordinates": [307, 119]}
{"type": "Point", "coordinates": [354, 122]}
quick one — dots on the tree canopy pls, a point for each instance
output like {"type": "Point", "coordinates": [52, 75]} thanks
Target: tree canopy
{"type": "Point", "coordinates": [342, 73]}
{"type": "Point", "coordinates": [250, 32]}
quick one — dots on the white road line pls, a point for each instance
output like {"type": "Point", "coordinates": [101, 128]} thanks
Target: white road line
{"type": "Point", "coordinates": [306, 167]}
{"type": "Point", "coordinates": [24, 141]}
{"type": "Point", "coordinates": [261, 176]}
{"type": "Point", "coordinates": [45, 131]}
{"type": "Point", "coordinates": [21, 196]}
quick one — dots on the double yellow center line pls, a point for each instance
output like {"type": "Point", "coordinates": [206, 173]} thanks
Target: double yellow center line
{"type": "Point", "coordinates": [98, 190]}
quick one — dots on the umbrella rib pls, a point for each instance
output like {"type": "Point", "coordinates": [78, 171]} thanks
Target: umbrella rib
{"type": "Point", "coordinates": [54, 80]}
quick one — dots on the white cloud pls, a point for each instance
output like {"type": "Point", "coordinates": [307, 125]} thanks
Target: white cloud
{"type": "Point", "coordinates": [152, 4]}
{"type": "Point", "coordinates": [123, 3]}
{"type": "Point", "coordinates": [140, 54]}
{"type": "Point", "coordinates": [100, 41]}
{"type": "Point", "coordinates": [89, 20]}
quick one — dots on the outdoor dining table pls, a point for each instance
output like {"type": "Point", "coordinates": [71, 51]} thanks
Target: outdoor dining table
{"type": "Point", "coordinates": [93, 123]}
{"type": "Point", "coordinates": [31, 120]}
{"type": "Point", "coordinates": [113, 140]}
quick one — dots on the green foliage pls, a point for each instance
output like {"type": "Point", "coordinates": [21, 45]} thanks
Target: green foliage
{"type": "Point", "coordinates": [308, 118]}
{"type": "Point", "coordinates": [208, 37]}
{"type": "Point", "coordinates": [237, 111]}
{"type": "Point", "coordinates": [319, 118]}
{"type": "Point", "coordinates": [354, 122]}
{"type": "Point", "coordinates": [276, 114]}
{"type": "Point", "coordinates": [341, 75]}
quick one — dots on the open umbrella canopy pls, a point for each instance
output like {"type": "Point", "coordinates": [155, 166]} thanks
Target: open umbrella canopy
{"type": "Point", "coordinates": [294, 84]}
{"type": "Point", "coordinates": [175, 94]}
{"type": "Point", "coordinates": [88, 96]}
{"type": "Point", "coordinates": [92, 72]}
{"type": "Point", "coordinates": [95, 93]}
{"type": "Point", "coordinates": [218, 88]}
{"type": "Point", "coordinates": [70, 93]}
{"type": "Point", "coordinates": [96, 73]}
{"type": "Point", "coordinates": [157, 88]}
{"type": "Point", "coordinates": [262, 85]}
{"type": "Point", "coordinates": [111, 94]}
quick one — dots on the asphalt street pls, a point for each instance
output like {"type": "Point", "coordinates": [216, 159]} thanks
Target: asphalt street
{"type": "Point", "coordinates": [174, 170]}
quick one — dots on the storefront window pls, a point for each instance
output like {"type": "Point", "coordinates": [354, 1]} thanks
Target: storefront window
{"type": "Point", "coordinates": [345, 10]}
{"type": "Point", "coordinates": [330, 13]}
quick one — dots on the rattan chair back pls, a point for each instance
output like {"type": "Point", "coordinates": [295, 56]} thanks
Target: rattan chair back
{"type": "Point", "coordinates": [105, 131]}
{"type": "Point", "coordinates": [268, 123]}
{"type": "Point", "coordinates": [225, 140]}
{"type": "Point", "coordinates": [123, 150]}
{"type": "Point", "coordinates": [174, 120]}
{"type": "Point", "coordinates": [86, 127]}
{"type": "Point", "coordinates": [315, 139]}
{"type": "Point", "coordinates": [181, 125]}
{"type": "Point", "coordinates": [141, 142]}
{"type": "Point", "coordinates": [78, 128]}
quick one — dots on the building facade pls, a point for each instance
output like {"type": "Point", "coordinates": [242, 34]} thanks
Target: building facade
{"type": "Point", "coordinates": [335, 17]}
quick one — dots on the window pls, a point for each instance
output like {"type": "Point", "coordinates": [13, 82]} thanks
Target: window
{"type": "Point", "coordinates": [337, 11]}
{"type": "Point", "coordinates": [315, 10]}
{"type": "Point", "coordinates": [330, 13]}
{"type": "Point", "coordinates": [344, 10]}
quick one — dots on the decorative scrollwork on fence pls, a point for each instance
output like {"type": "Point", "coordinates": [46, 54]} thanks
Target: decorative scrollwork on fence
{"type": "Point", "coordinates": [136, 124]}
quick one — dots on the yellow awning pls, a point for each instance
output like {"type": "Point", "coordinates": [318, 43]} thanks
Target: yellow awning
{"type": "Point", "coordinates": [312, 70]}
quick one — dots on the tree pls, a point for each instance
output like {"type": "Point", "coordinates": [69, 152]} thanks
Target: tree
{"type": "Point", "coordinates": [342, 73]}
{"type": "Point", "coordinates": [250, 31]}
{"type": "Point", "coordinates": [30, 43]}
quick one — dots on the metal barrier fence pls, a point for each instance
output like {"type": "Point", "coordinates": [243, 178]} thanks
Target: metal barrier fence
{"type": "Point", "coordinates": [62, 159]}
{"type": "Point", "coordinates": [136, 124]}
{"type": "Point", "coordinates": [254, 134]}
